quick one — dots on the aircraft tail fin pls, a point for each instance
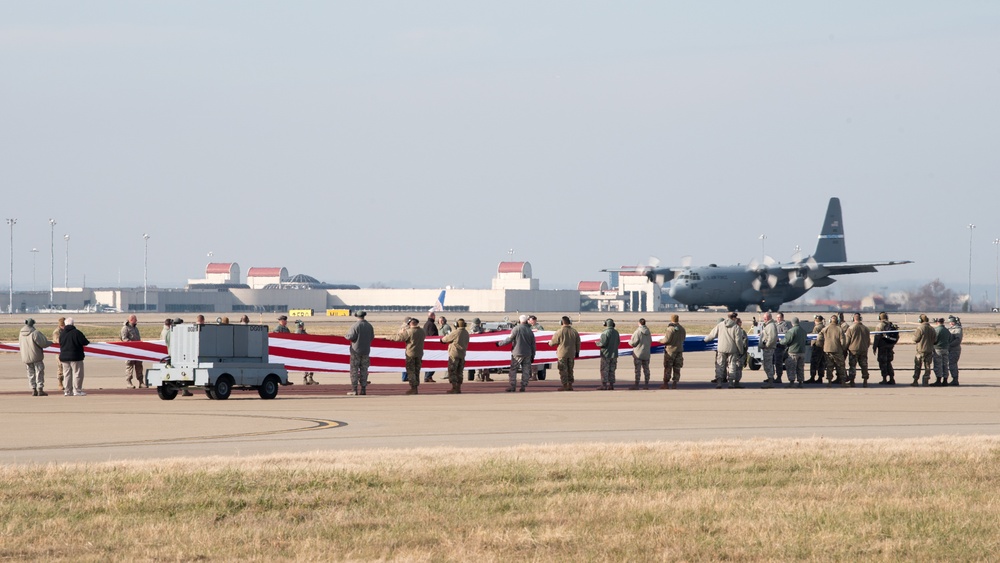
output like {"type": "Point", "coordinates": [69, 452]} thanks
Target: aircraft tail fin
{"type": "Point", "coordinates": [439, 304]}
{"type": "Point", "coordinates": [830, 247]}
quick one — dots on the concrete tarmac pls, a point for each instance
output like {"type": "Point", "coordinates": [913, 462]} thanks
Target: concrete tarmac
{"type": "Point", "coordinates": [112, 423]}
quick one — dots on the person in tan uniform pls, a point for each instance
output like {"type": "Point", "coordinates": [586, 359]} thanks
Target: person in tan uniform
{"type": "Point", "coordinates": [833, 347]}
{"type": "Point", "coordinates": [133, 368]}
{"type": "Point", "coordinates": [859, 340]}
{"type": "Point", "coordinates": [458, 344]}
{"type": "Point", "coordinates": [924, 338]}
{"type": "Point", "coordinates": [414, 337]}
{"type": "Point", "coordinates": [673, 352]}
{"type": "Point", "coordinates": [55, 338]}
{"type": "Point", "coordinates": [566, 340]}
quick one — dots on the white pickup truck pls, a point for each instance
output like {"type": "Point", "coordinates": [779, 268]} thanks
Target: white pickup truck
{"type": "Point", "coordinates": [217, 358]}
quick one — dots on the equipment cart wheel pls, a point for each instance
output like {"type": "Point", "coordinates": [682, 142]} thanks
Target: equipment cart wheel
{"type": "Point", "coordinates": [223, 387]}
{"type": "Point", "coordinates": [269, 388]}
{"type": "Point", "coordinates": [166, 393]}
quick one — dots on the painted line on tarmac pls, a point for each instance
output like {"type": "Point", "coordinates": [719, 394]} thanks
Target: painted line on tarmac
{"type": "Point", "coordinates": [317, 424]}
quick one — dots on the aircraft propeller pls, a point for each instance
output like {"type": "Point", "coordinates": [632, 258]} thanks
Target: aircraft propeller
{"type": "Point", "coordinates": [763, 272]}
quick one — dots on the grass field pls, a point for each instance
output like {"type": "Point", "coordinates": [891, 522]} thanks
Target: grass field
{"type": "Point", "coordinates": [927, 499]}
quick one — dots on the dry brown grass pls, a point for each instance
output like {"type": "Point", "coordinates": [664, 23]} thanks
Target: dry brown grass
{"type": "Point", "coordinates": [928, 499]}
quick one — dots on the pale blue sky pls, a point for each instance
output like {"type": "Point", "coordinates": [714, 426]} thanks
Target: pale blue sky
{"type": "Point", "coordinates": [414, 143]}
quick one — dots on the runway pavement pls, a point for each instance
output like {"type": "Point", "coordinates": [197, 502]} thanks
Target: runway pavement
{"type": "Point", "coordinates": [113, 423]}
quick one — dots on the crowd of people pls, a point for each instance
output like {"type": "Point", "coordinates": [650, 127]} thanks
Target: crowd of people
{"type": "Point", "coordinates": [838, 352]}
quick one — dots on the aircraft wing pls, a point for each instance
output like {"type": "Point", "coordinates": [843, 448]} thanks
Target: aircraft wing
{"type": "Point", "coordinates": [838, 268]}
{"type": "Point", "coordinates": [660, 275]}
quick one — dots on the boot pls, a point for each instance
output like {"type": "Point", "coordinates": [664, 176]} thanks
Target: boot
{"type": "Point", "coordinates": [892, 380]}
{"type": "Point", "coordinates": [187, 393]}
{"type": "Point", "coordinates": [42, 393]}
{"type": "Point", "coordinates": [411, 391]}
{"type": "Point", "coordinates": [34, 392]}
{"type": "Point", "coordinates": [666, 385]}
{"type": "Point", "coordinates": [565, 387]}
{"type": "Point", "coordinates": [884, 381]}
{"type": "Point", "coordinates": [363, 390]}
{"type": "Point", "coordinates": [453, 390]}
{"type": "Point", "coordinates": [488, 378]}
{"type": "Point", "coordinates": [569, 387]}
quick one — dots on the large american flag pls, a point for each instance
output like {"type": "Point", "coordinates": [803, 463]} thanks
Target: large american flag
{"type": "Point", "coordinates": [307, 352]}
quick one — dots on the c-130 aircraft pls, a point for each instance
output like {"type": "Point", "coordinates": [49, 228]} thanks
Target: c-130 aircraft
{"type": "Point", "coordinates": [767, 284]}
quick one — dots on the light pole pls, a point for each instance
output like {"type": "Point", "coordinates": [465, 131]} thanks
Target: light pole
{"type": "Point", "coordinates": [10, 307]}
{"type": "Point", "coordinates": [762, 238]}
{"type": "Point", "coordinates": [66, 273]}
{"type": "Point", "coordinates": [996, 297]}
{"type": "Point", "coordinates": [145, 263]}
{"type": "Point", "coordinates": [34, 262]}
{"type": "Point", "coordinates": [52, 260]}
{"type": "Point", "coordinates": [971, 228]}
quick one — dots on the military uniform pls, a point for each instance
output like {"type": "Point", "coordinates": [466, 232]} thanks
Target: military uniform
{"type": "Point", "coordinates": [522, 354]}
{"type": "Point", "coordinates": [924, 338]}
{"type": "Point", "coordinates": [414, 337]}
{"type": "Point", "coordinates": [567, 343]}
{"type": "Point", "coordinates": [767, 341]}
{"type": "Point", "coordinates": [730, 349]}
{"type": "Point", "coordinates": [885, 340]}
{"type": "Point", "coordinates": [859, 339]}
{"type": "Point", "coordinates": [458, 344]}
{"type": "Point", "coordinates": [641, 342]}
{"type": "Point", "coordinates": [307, 376]}
{"type": "Point", "coordinates": [360, 336]}
{"type": "Point", "coordinates": [942, 344]}
{"type": "Point", "coordinates": [795, 341]}
{"type": "Point", "coordinates": [955, 348]}
{"type": "Point", "coordinates": [780, 350]}
{"type": "Point", "coordinates": [673, 354]}
{"type": "Point", "coordinates": [832, 337]}
{"type": "Point", "coordinates": [609, 342]}
{"type": "Point", "coordinates": [133, 368]}
{"type": "Point", "coordinates": [817, 365]}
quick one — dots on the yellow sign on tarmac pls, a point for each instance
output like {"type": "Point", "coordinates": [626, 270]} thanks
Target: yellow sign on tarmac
{"type": "Point", "coordinates": [300, 312]}
{"type": "Point", "coordinates": [338, 312]}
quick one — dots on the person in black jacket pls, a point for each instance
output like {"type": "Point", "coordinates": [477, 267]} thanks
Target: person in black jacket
{"type": "Point", "coordinates": [71, 343]}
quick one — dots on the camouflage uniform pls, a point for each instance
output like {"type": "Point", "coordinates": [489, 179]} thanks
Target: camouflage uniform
{"type": "Point", "coordinates": [833, 346]}
{"type": "Point", "coordinates": [942, 343]}
{"type": "Point", "coordinates": [458, 343]}
{"type": "Point", "coordinates": [817, 365]}
{"type": "Point", "coordinates": [955, 348]}
{"type": "Point", "coordinates": [567, 343]}
{"type": "Point", "coordinates": [522, 354]}
{"type": "Point", "coordinates": [795, 341]}
{"type": "Point", "coordinates": [767, 340]}
{"type": "Point", "coordinates": [307, 376]}
{"type": "Point", "coordinates": [729, 351]}
{"type": "Point", "coordinates": [673, 353]}
{"type": "Point", "coordinates": [859, 339]}
{"type": "Point", "coordinates": [133, 368]}
{"type": "Point", "coordinates": [360, 336]}
{"type": "Point", "coordinates": [414, 338]}
{"type": "Point", "coordinates": [609, 342]}
{"type": "Point", "coordinates": [884, 342]}
{"type": "Point", "coordinates": [923, 337]}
